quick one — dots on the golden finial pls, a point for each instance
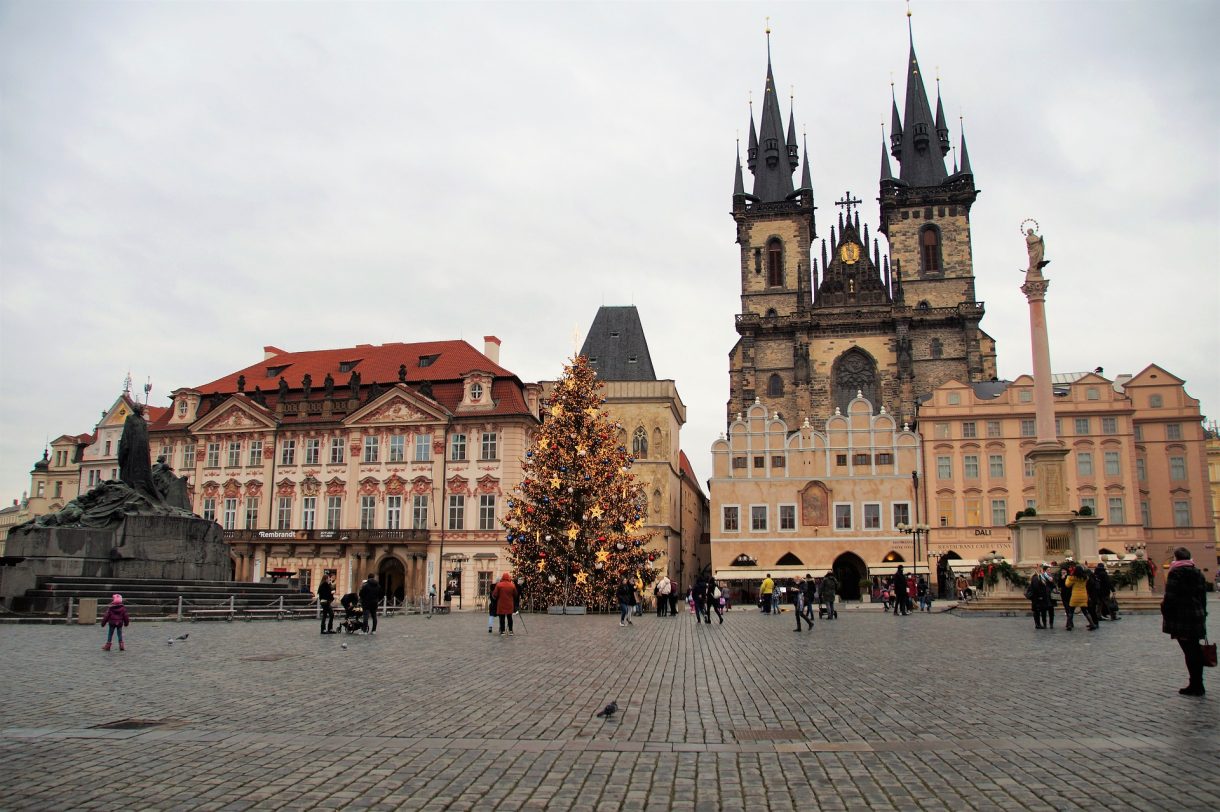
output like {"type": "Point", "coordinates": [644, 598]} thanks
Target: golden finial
{"type": "Point", "coordinates": [908, 8]}
{"type": "Point", "coordinates": [750, 96]}
{"type": "Point", "coordinates": [769, 24]}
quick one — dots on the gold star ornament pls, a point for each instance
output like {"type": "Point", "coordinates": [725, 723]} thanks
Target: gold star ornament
{"type": "Point", "coordinates": [573, 532]}
{"type": "Point", "coordinates": [581, 577]}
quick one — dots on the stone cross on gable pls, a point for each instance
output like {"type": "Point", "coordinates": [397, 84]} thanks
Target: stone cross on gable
{"type": "Point", "coordinates": [847, 202]}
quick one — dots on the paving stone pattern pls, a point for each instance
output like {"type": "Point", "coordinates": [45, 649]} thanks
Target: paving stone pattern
{"type": "Point", "coordinates": [932, 712]}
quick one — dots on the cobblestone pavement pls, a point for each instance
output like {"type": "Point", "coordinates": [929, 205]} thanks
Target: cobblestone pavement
{"type": "Point", "coordinates": [870, 711]}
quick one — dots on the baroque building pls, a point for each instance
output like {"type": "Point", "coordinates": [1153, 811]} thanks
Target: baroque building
{"type": "Point", "coordinates": [651, 415]}
{"type": "Point", "coordinates": [817, 329]}
{"type": "Point", "coordinates": [392, 459]}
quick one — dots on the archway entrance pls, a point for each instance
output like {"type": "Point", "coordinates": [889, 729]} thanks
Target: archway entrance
{"type": "Point", "coordinates": [849, 569]}
{"type": "Point", "coordinates": [944, 576]}
{"type": "Point", "coordinates": [393, 578]}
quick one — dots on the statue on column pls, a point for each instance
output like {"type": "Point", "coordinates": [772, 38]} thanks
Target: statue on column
{"type": "Point", "coordinates": [1036, 247]}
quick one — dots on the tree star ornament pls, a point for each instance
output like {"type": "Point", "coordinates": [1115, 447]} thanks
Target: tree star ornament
{"type": "Point", "coordinates": [573, 532]}
{"type": "Point", "coordinates": [603, 556]}
{"type": "Point", "coordinates": [542, 565]}
{"type": "Point", "coordinates": [555, 483]}
{"type": "Point", "coordinates": [581, 577]}
{"type": "Point", "coordinates": [557, 410]}
{"type": "Point", "coordinates": [596, 512]}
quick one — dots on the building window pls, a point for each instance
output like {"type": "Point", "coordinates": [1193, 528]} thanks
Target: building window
{"type": "Point", "coordinates": [969, 429]}
{"type": "Point", "coordinates": [884, 458]}
{"type": "Point", "coordinates": [288, 452]}
{"type": "Point", "coordinates": [842, 517]}
{"type": "Point", "coordinates": [777, 461]}
{"type": "Point", "coordinates": [284, 515]}
{"type": "Point", "coordinates": [758, 518]}
{"type": "Point", "coordinates": [230, 512]}
{"type": "Point", "coordinates": [1138, 432]}
{"type": "Point", "coordinates": [1028, 469]}
{"type": "Point", "coordinates": [457, 511]}
{"type": "Point", "coordinates": [1155, 402]}
{"type": "Point", "coordinates": [861, 460]}
{"type": "Point", "coordinates": [999, 512]}
{"type": "Point", "coordinates": [993, 428]}
{"type": "Point", "coordinates": [1177, 468]}
{"type": "Point", "coordinates": [730, 519]}
{"type": "Point", "coordinates": [59, 489]}
{"type": "Point", "coordinates": [739, 463]}
{"type": "Point", "coordinates": [1109, 425]}
{"type": "Point", "coordinates": [419, 511]}
{"type": "Point", "coordinates": [944, 467]}
{"type": "Point", "coordinates": [251, 512]}
{"type": "Point", "coordinates": [955, 398]}
{"type": "Point", "coordinates": [854, 373]}
{"type": "Point", "coordinates": [457, 447]}
{"type": "Point", "coordinates": [213, 458]}
{"type": "Point", "coordinates": [760, 462]}
{"type": "Point", "coordinates": [1145, 513]}
{"type": "Point", "coordinates": [1025, 396]}
{"type": "Point", "coordinates": [209, 509]}
{"type": "Point", "coordinates": [234, 456]}
{"type": "Point", "coordinates": [1173, 431]}
{"type": "Point", "coordinates": [995, 466]}
{"type": "Point", "coordinates": [1112, 463]}
{"type": "Point", "coordinates": [313, 451]}
{"type": "Point", "coordinates": [393, 512]}
{"type": "Point", "coordinates": [970, 466]}
{"type": "Point", "coordinates": [872, 516]}
{"type": "Point", "coordinates": [1058, 427]}
{"type": "Point", "coordinates": [368, 512]}
{"type": "Point", "coordinates": [1084, 463]}
{"type": "Point", "coordinates": [942, 431]}
{"type": "Point", "coordinates": [929, 250]}
{"type": "Point", "coordinates": [1092, 394]}
{"type": "Point", "coordinates": [371, 449]}
{"type": "Point", "coordinates": [775, 386]}
{"type": "Point", "coordinates": [775, 263]}
{"type": "Point", "coordinates": [336, 450]}
{"type": "Point", "coordinates": [256, 453]}
{"type": "Point", "coordinates": [841, 460]}
{"type": "Point", "coordinates": [484, 584]}
{"type": "Point", "coordinates": [944, 511]}
{"type": "Point", "coordinates": [787, 517]}
{"type": "Point", "coordinates": [1027, 427]}
{"type": "Point", "coordinates": [1118, 514]}
{"type": "Point", "coordinates": [974, 512]}
{"type": "Point", "coordinates": [1089, 502]}
{"type": "Point", "coordinates": [488, 446]}
{"type": "Point", "coordinates": [938, 351]}
{"type": "Point", "coordinates": [334, 512]}
{"type": "Point", "coordinates": [423, 447]}
{"type": "Point", "coordinates": [1181, 513]}
{"type": "Point", "coordinates": [397, 451]}
{"type": "Point", "coordinates": [1141, 469]}
{"type": "Point", "coordinates": [106, 450]}
{"type": "Point", "coordinates": [309, 512]}
{"type": "Point", "coordinates": [902, 513]}
{"type": "Point", "coordinates": [1082, 425]}
{"type": "Point", "coordinates": [639, 443]}
{"type": "Point", "coordinates": [487, 511]}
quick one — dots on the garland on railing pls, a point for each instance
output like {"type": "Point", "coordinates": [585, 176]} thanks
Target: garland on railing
{"type": "Point", "coordinates": [992, 573]}
{"type": "Point", "coordinates": [1131, 574]}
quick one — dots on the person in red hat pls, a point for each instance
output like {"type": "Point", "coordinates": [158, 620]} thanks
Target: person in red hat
{"type": "Point", "coordinates": [115, 619]}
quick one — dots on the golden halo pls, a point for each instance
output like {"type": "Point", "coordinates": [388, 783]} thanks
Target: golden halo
{"type": "Point", "coordinates": [1037, 227]}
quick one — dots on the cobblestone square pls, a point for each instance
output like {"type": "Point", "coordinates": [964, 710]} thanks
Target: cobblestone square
{"type": "Point", "coordinates": [870, 711]}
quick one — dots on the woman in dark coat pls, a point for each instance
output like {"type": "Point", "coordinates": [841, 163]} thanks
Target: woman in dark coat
{"type": "Point", "coordinates": [1041, 600]}
{"type": "Point", "coordinates": [1184, 615]}
{"type": "Point", "coordinates": [900, 592]}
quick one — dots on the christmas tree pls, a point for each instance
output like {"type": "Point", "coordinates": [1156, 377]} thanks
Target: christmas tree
{"type": "Point", "coordinates": [573, 522]}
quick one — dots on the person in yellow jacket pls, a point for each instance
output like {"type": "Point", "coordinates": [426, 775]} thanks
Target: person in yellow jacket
{"type": "Point", "coordinates": [1078, 582]}
{"type": "Point", "coordinates": [768, 586]}
{"type": "Point", "coordinates": [639, 595]}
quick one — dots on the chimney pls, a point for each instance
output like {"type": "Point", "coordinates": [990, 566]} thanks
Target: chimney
{"type": "Point", "coordinates": [491, 348]}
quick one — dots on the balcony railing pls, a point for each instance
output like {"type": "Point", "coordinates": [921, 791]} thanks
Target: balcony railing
{"type": "Point", "coordinates": [315, 536]}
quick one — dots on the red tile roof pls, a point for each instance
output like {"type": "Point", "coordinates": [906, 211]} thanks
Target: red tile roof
{"type": "Point", "coordinates": [687, 470]}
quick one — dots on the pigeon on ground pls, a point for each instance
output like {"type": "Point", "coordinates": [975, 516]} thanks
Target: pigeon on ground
{"type": "Point", "coordinates": [609, 710]}
{"type": "Point", "coordinates": [170, 641]}
{"type": "Point", "coordinates": [343, 645]}
{"type": "Point", "coordinates": [184, 636]}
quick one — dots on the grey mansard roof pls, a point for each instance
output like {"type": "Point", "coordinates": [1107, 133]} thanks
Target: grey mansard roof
{"type": "Point", "coordinates": [616, 346]}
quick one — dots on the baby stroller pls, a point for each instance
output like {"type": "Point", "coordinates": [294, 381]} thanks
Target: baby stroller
{"type": "Point", "coordinates": [353, 620]}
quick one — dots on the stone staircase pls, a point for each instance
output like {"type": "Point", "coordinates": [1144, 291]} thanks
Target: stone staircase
{"type": "Point", "coordinates": [149, 598]}
{"type": "Point", "coordinates": [1014, 604]}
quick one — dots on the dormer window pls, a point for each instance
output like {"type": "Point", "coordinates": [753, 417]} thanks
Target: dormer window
{"type": "Point", "coordinates": [274, 372]}
{"type": "Point", "coordinates": [427, 360]}
{"type": "Point", "coordinates": [632, 360]}
{"type": "Point", "coordinates": [476, 391]}
{"type": "Point", "coordinates": [182, 407]}
{"type": "Point", "coordinates": [348, 366]}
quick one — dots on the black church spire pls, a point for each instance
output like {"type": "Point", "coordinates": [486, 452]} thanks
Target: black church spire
{"type": "Point", "coordinates": [772, 158]}
{"type": "Point", "coordinates": [919, 149]}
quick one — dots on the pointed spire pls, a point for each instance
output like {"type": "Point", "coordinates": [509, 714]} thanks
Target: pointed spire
{"type": "Point", "coordinates": [886, 172]}
{"type": "Point", "coordinates": [942, 129]}
{"type": "Point", "coordinates": [739, 187]}
{"type": "Point", "coordinates": [775, 156]}
{"type": "Point", "coordinates": [965, 170]}
{"type": "Point", "coordinates": [806, 180]}
{"type": "Point", "coordinates": [752, 150]}
{"type": "Point", "coordinates": [895, 128]}
{"type": "Point", "coordinates": [792, 145]}
{"type": "Point", "coordinates": [824, 264]}
{"type": "Point", "coordinates": [921, 166]}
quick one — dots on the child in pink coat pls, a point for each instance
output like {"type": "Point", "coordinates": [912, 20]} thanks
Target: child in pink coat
{"type": "Point", "coordinates": [115, 619]}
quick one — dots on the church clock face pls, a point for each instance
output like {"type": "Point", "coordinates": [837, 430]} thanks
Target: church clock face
{"type": "Point", "coordinates": [849, 253]}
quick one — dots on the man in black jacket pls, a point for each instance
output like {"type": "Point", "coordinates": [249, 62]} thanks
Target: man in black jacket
{"type": "Point", "coordinates": [326, 597]}
{"type": "Point", "coordinates": [626, 600]}
{"type": "Point", "coordinates": [370, 596]}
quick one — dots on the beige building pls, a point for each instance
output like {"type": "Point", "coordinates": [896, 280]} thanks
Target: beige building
{"type": "Point", "coordinates": [651, 413]}
{"type": "Point", "coordinates": [1136, 460]}
{"type": "Point", "coordinates": [393, 459]}
{"type": "Point", "coordinates": [795, 500]}
{"type": "Point", "coordinates": [1213, 476]}
{"type": "Point", "coordinates": [54, 481]}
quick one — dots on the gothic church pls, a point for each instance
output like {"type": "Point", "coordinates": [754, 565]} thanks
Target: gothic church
{"type": "Point", "coordinates": [816, 330]}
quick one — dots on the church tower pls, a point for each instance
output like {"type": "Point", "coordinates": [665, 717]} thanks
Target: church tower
{"type": "Point", "coordinates": [775, 226]}
{"type": "Point", "coordinates": [816, 331]}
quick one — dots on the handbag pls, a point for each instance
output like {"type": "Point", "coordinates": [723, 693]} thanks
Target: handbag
{"type": "Point", "coordinates": [1209, 653]}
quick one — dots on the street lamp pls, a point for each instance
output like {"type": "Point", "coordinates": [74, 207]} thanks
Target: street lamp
{"type": "Point", "coordinates": [458, 561]}
{"type": "Point", "coordinates": [918, 532]}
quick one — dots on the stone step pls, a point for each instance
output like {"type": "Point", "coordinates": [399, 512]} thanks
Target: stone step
{"type": "Point", "coordinates": [81, 580]}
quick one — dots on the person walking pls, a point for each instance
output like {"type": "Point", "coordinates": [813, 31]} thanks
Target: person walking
{"type": "Point", "coordinates": [715, 596]}
{"type": "Point", "coordinates": [114, 620]}
{"type": "Point", "coordinates": [370, 596]}
{"type": "Point", "coordinates": [768, 587]}
{"type": "Point", "coordinates": [626, 597]}
{"type": "Point", "coordinates": [504, 596]}
{"type": "Point", "coordinates": [1041, 600]}
{"type": "Point", "coordinates": [698, 596]}
{"type": "Point", "coordinates": [1065, 591]}
{"type": "Point", "coordinates": [491, 610]}
{"type": "Point", "coordinates": [827, 594]}
{"type": "Point", "coordinates": [924, 594]}
{"type": "Point", "coordinates": [798, 604]}
{"type": "Point", "coordinates": [662, 590]}
{"type": "Point", "coordinates": [810, 596]}
{"type": "Point", "coordinates": [1184, 615]}
{"type": "Point", "coordinates": [1078, 582]}
{"type": "Point", "coordinates": [900, 592]}
{"type": "Point", "coordinates": [673, 599]}
{"type": "Point", "coordinates": [326, 601]}
{"type": "Point", "coordinates": [1105, 588]}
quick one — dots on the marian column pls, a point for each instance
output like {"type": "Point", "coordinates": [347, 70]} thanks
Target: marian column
{"type": "Point", "coordinates": [1056, 531]}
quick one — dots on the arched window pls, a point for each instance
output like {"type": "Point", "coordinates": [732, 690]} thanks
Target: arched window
{"type": "Point", "coordinates": [929, 250]}
{"type": "Point", "coordinates": [854, 371]}
{"type": "Point", "coordinates": [775, 263]}
{"type": "Point", "coordinates": [656, 504]}
{"type": "Point", "coordinates": [658, 447]}
{"type": "Point", "coordinates": [639, 443]}
{"type": "Point", "coordinates": [775, 386]}
{"type": "Point", "coordinates": [938, 350]}
{"type": "Point", "coordinates": [771, 313]}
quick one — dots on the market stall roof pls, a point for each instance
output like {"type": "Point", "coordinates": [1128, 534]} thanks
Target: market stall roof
{"type": "Point", "coordinates": [758, 573]}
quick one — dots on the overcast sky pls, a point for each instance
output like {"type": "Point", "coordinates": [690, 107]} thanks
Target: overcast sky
{"type": "Point", "coordinates": [183, 183]}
